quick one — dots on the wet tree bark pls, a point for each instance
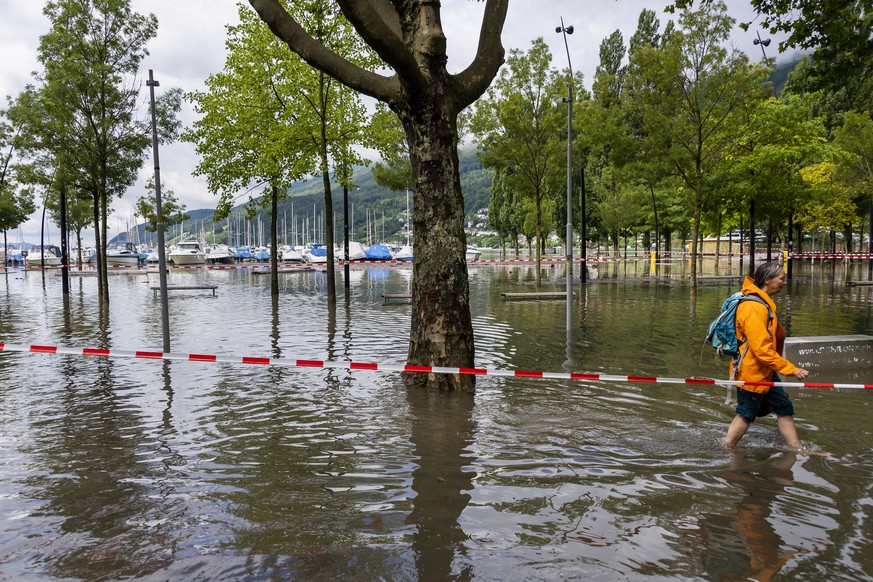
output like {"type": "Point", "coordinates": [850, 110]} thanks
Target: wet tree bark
{"type": "Point", "coordinates": [442, 329]}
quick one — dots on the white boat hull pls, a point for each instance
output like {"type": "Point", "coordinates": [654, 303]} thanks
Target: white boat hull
{"type": "Point", "coordinates": [187, 253]}
{"type": "Point", "coordinates": [38, 259]}
{"type": "Point", "coordinates": [292, 256]}
{"type": "Point", "coordinates": [404, 254]}
{"type": "Point", "coordinates": [188, 259]}
{"type": "Point", "coordinates": [122, 260]}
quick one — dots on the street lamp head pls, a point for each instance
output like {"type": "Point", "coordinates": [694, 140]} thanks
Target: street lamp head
{"type": "Point", "coordinates": [568, 30]}
{"type": "Point", "coordinates": [765, 42]}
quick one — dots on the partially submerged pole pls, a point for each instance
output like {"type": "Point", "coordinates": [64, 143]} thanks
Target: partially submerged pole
{"type": "Point", "coordinates": [159, 221]}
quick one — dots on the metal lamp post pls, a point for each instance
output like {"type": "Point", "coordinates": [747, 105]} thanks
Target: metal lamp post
{"type": "Point", "coordinates": [763, 43]}
{"type": "Point", "coordinates": [565, 30]}
{"type": "Point", "coordinates": [159, 219]}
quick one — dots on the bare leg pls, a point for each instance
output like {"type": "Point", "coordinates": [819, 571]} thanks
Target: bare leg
{"type": "Point", "coordinates": [736, 430]}
{"type": "Point", "coordinates": [789, 432]}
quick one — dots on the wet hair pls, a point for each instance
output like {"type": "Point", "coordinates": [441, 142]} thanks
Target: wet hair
{"type": "Point", "coordinates": [766, 271]}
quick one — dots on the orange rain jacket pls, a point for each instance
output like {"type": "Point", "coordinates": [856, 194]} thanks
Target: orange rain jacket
{"type": "Point", "coordinates": [764, 340]}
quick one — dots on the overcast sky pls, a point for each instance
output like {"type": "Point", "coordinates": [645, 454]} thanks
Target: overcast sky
{"type": "Point", "coordinates": [190, 45]}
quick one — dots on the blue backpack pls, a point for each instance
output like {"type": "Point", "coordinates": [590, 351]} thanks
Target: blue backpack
{"type": "Point", "coordinates": [722, 332]}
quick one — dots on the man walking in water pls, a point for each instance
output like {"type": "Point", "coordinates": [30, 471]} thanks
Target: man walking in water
{"type": "Point", "coordinates": [760, 360]}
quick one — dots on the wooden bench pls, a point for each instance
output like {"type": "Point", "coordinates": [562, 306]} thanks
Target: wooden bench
{"type": "Point", "coordinates": [388, 297]}
{"type": "Point", "coordinates": [537, 295]}
{"type": "Point", "coordinates": [157, 288]}
{"type": "Point", "coordinates": [859, 283]}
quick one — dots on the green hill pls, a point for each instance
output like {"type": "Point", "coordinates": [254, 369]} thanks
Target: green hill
{"type": "Point", "coordinates": [781, 71]}
{"type": "Point", "coordinates": [386, 210]}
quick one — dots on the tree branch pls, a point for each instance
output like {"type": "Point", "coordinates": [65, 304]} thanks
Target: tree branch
{"type": "Point", "coordinates": [289, 31]}
{"type": "Point", "coordinates": [475, 79]}
{"type": "Point", "coordinates": [378, 23]}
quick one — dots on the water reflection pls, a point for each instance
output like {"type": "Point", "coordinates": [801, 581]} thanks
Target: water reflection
{"type": "Point", "coordinates": [741, 543]}
{"type": "Point", "coordinates": [90, 479]}
{"type": "Point", "coordinates": [442, 431]}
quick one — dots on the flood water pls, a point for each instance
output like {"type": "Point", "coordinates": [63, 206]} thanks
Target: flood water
{"type": "Point", "coordinates": [142, 469]}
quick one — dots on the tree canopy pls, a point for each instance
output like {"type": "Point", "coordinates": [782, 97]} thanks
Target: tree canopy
{"type": "Point", "coordinates": [80, 124]}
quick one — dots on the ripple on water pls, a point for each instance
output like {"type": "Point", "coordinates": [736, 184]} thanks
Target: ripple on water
{"type": "Point", "coordinates": [127, 468]}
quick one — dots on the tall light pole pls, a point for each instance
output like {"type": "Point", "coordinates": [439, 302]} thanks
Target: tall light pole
{"type": "Point", "coordinates": [763, 43]}
{"type": "Point", "coordinates": [565, 30]}
{"type": "Point", "coordinates": [159, 220]}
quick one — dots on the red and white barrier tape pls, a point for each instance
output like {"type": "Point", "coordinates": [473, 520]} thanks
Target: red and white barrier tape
{"type": "Point", "coordinates": [837, 256]}
{"type": "Point", "coordinates": [373, 366]}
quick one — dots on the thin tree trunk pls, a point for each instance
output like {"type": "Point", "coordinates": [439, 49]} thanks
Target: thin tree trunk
{"type": "Point", "coordinates": [328, 195]}
{"type": "Point", "coordinates": [695, 227]}
{"type": "Point", "coordinates": [97, 244]}
{"type": "Point", "coordinates": [79, 247]}
{"type": "Point", "coordinates": [718, 241]}
{"type": "Point", "coordinates": [539, 241]}
{"type": "Point", "coordinates": [274, 246]}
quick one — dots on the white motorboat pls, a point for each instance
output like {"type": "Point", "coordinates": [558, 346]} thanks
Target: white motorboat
{"type": "Point", "coordinates": [187, 253]}
{"type": "Point", "coordinates": [356, 252]}
{"type": "Point", "coordinates": [48, 255]}
{"type": "Point", "coordinates": [219, 254]}
{"type": "Point", "coordinates": [317, 254]}
{"type": "Point", "coordinates": [122, 255]}
{"type": "Point", "coordinates": [404, 254]}
{"type": "Point", "coordinates": [289, 254]}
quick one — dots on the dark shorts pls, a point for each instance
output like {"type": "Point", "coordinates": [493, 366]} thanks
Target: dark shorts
{"type": "Point", "coordinates": [751, 405]}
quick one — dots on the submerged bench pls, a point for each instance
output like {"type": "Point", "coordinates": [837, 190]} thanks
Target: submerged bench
{"type": "Point", "coordinates": [388, 297]}
{"type": "Point", "coordinates": [131, 271]}
{"type": "Point", "coordinates": [185, 288]}
{"type": "Point", "coordinates": [537, 295]}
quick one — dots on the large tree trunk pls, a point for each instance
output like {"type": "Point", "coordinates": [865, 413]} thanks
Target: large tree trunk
{"type": "Point", "coordinates": [441, 331]}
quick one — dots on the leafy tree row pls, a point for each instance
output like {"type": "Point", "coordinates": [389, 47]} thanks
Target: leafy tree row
{"type": "Point", "coordinates": [78, 128]}
{"type": "Point", "coordinates": [680, 135]}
